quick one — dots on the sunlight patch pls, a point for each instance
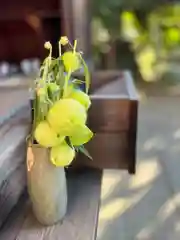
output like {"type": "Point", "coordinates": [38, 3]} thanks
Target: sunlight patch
{"type": "Point", "coordinates": [177, 134]}
{"type": "Point", "coordinates": [111, 180]}
{"type": "Point", "coordinates": [145, 233]}
{"type": "Point", "coordinates": [154, 143]}
{"type": "Point", "coordinates": [167, 210]}
{"type": "Point", "coordinates": [118, 206]}
{"type": "Point", "coordinates": [147, 172]}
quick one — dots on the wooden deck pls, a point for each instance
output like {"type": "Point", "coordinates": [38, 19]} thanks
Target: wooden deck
{"type": "Point", "coordinates": [80, 222]}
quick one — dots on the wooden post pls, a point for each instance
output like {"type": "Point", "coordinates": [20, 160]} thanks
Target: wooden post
{"type": "Point", "coordinates": [81, 25]}
{"type": "Point", "coordinates": [67, 18]}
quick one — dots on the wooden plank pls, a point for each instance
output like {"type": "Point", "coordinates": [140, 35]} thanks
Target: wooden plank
{"type": "Point", "coordinates": [109, 115]}
{"type": "Point", "coordinates": [14, 129]}
{"type": "Point", "coordinates": [133, 136]}
{"type": "Point", "coordinates": [116, 87]}
{"type": "Point", "coordinates": [133, 122]}
{"type": "Point", "coordinates": [20, 117]}
{"type": "Point", "coordinates": [130, 85]}
{"type": "Point", "coordinates": [15, 220]}
{"type": "Point", "coordinates": [11, 190]}
{"type": "Point", "coordinates": [14, 114]}
{"type": "Point", "coordinates": [10, 105]}
{"type": "Point", "coordinates": [110, 110]}
{"type": "Point", "coordinates": [12, 150]}
{"type": "Point", "coordinates": [81, 219]}
{"type": "Point", "coordinates": [108, 150]}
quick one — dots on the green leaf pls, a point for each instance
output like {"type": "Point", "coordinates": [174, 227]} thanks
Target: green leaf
{"type": "Point", "coordinates": [60, 77]}
{"type": "Point", "coordinates": [53, 64]}
{"type": "Point", "coordinates": [41, 71]}
{"type": "Point", "coordinates": [83, 150]}
{"type": "Point", "coordinates": [68, 142]}
{"type": "Point", "coordinates": [45, 61]}
{"type": "Point", "coordinates": [86, 74]}
{"type": "Point", "coordinates": [50, 94]}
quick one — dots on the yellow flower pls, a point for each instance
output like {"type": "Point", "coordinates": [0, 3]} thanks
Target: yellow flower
{"type": "Point", "coordinates": [81, 135]}
{"type": "Point", "coordinates": [47, 45]}
{"type": "Point", "coordinates": [71, 61]}
{"type": "Point", "coordinates": [46, 136]}
{"type": "Point", "coordinates": [64, 40]}
{"type": "Point", "coordinates": [65, 114]}
{"type": "Point", "coordinates": [81, 97]}
{"type": "Point", "coordinates": [62, 155]}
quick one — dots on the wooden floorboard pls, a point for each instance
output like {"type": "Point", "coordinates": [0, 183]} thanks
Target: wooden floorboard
{"type": "Point", "coordinates": [11, 190]}
{"type": "Point", "coordinates": [80, 222]}
{"type": "Point", "coordinates": [13, 133]}
{"type": "Point", "coordinates": [11, 228]}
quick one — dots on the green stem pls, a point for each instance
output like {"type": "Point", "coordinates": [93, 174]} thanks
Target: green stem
{"type": "Point", "coordinates": [50, 56]}
{"type": "Point", "coordinates": [66, 83]}
{"type": "Point", "coordinates": [75, 45]}
{"type": "Point", "coordinates": [60, 52]}
{"type": "Point", "coordinates": [86, 74]}
{"type": "Point", "coordinates": [34, 117]}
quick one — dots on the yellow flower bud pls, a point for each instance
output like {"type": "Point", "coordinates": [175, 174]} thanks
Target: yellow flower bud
{"type": "Point", "coordinates": [64, 40]}
{"type": "Point", "coordinates": [47, 45]}
{"type": "Point", "coordinates": [62, 155]}
{"type": "Point", "coordinates": [71, 61]}
{"type": "Point", "coordinates": [81, 97]}
{"type": "Point", "coordinates": [81, 135]}
{"type": "Point", "coordinates": [46, 136]}
{"type": "Point", "coordinates": [65, 114]}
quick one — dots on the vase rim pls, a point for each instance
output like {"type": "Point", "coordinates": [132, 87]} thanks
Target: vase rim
{"type": "Point", "coordinates": [37, 145]}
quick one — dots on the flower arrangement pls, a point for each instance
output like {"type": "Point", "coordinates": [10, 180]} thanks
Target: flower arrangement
{"type": "Point", "coordinates": [59, 107]}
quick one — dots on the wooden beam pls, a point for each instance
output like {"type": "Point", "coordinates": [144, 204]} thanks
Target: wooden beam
{"type": "Point", "coordinates": [81, 13]}
{"type": "Point", "coordinates": [67, 18]}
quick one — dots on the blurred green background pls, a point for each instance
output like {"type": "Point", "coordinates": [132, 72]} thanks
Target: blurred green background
{"type": "Point", "coordinates": [140, 35]}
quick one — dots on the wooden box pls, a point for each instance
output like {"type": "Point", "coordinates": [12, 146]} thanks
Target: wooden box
{"type": "Point", "coordinates": [113, 119]}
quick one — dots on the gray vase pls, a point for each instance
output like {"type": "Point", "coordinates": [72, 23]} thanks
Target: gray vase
{"type": "Point", "coordinates": [46, 185]}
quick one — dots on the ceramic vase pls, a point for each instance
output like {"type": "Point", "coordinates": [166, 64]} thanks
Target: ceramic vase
{"type": "Point", "coordinates": [46, 186]}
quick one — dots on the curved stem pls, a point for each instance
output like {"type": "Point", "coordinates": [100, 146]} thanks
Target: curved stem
{"type": "Point", "coordinates": [66, 83]}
